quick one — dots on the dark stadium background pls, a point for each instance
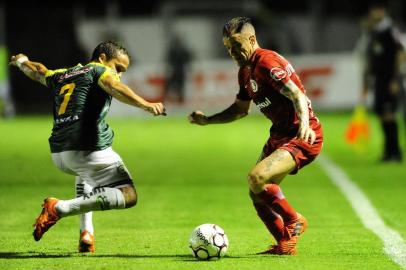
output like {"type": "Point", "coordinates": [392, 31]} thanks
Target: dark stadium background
{"type": "Point", "coordinates": [45, 29]}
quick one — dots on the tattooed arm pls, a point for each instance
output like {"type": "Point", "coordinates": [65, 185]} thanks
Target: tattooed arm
{"type": "Point", "coordinates": [299, 99]}
{"type": "Point", "coordinates": [34, 70]}
{"type": "Point", "coordinates": [237, 110]}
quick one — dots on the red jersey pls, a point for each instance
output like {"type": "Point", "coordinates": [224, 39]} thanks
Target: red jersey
{"type": "Point", "coordinates": [262, 82]}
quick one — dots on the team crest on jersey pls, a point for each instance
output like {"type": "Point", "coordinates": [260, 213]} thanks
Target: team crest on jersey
{"type": "Point", "coordinates": [278, 73]}
{"type": "Point", "coordinates": [254, 85]}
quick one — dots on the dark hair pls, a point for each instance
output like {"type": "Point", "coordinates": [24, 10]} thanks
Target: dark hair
{"type": "Point", "coordinates": [235, 25]}
{"type": "Point", "coordinates": [378, 4]}
{"type": "Point", "coordinates": [110, 49]}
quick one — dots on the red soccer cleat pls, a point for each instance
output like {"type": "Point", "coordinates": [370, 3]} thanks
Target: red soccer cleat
{"type": "Point", "coordinates": [46, 219]}
{"type": "Point", "coordinates": [86, 242]}
{"type": "Point", "coordinates": [273, 249]}
{"type": "Point", "coordinates": [287, 245]}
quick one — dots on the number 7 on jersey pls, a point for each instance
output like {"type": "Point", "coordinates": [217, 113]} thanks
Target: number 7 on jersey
{"type": "Point", "coordinates": [68, 88]}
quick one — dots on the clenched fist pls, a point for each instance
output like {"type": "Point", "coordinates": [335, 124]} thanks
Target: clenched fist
{"type": "Point", "coordinates": [198, 118]}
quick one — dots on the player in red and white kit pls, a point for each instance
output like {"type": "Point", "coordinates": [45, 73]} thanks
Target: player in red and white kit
{"type": "Point", "coordinates": [296, 137]}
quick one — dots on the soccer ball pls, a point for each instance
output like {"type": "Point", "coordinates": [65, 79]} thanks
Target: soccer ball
{"type": "Point", "coordinates": [208, 242]}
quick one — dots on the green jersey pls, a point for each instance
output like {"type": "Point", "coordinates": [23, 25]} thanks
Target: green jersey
{"type": "Point", "coordinates": [80, 108]}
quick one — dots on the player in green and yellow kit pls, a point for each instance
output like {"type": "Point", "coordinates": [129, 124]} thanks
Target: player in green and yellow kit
{"type": "Point", "coordinates": [81, 139]}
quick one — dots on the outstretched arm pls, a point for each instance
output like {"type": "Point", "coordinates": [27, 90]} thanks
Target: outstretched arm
{"type": "Point", "coordinates": [237, 110]}
{"type": "Point", "coordinates": [299, 99]}
{"type": "Point", "coordinates": [124, 94]}
{"type": "Point", "coordinates": [34, 70]}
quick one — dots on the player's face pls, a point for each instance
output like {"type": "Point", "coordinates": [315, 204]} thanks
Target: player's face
{"type": "Point", "coordinates": [240, 48]}
{"type": "Point", "coordinates": [376, 15]}
{"type": "Point", "coordinates": [119, 63]}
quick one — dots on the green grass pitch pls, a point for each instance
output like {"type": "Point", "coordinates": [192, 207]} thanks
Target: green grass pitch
{"type": "Point", "coordinates": [187, 175]}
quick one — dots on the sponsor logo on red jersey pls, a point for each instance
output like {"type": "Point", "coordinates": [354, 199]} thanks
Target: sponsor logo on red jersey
{"type": "Point", "coordinates": [264, 104]}
{"type": "Point", "coordinates": [254, 86]}
{"type": "Point", "coordinates": [278, 73]}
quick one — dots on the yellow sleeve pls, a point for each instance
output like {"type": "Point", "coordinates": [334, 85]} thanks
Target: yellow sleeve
{"type": "Point", "coordinates": [53, 72]}
{"type": "Point", "coordinates": [108, 72]}
{"type": "Point", "coordinates": [49, 76]}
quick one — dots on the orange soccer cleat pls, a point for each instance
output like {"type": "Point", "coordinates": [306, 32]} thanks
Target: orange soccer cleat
{"type": "Point", "coordinates": [86, 242]}
{"type": "Point", "coordinates": [273, 249]}
{"type": "Point", "coordinates": [293, 230]}
{"type": "Point", "coordinates": [276, 250]}
{"type": "Point", "coordinates": [46, 219]}
{"type": "Point", "coordinates": [287, 245]}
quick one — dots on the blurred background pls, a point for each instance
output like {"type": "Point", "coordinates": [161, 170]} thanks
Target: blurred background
{"type": "Point", "coordinates": [319, 37]}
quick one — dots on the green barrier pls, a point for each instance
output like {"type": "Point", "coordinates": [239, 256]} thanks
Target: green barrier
{"type": "Point", "coordinates": [3, 65]}
{"type": "Point", "coordinates": [3, 78]}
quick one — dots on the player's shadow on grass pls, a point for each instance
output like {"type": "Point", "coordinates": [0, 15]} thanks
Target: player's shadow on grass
{"type": "Point", "coordinates": [37, 255]}
{"type": "Point", "coordinates": [32, 254]}
{"type": "Point", "coordinates": [135, 256]}
{"type": "Point", "coordinates": [180, 257]}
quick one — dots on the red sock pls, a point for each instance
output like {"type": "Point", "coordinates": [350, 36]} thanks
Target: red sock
{"type": "Point", "coordinates": [274, 198]}
{"type": "Point", "coordinates": [273, 222]}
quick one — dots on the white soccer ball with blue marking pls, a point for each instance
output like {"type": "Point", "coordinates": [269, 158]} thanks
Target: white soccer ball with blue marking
{"type": "Point", "coordinates": [208, 242]}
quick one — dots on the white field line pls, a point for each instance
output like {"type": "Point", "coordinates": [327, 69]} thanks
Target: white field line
{"type": "Point", "coordinates": [394, 245]}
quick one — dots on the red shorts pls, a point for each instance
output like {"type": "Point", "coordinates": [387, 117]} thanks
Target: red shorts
{"type": "Point", "coordinates": [302, 152]}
